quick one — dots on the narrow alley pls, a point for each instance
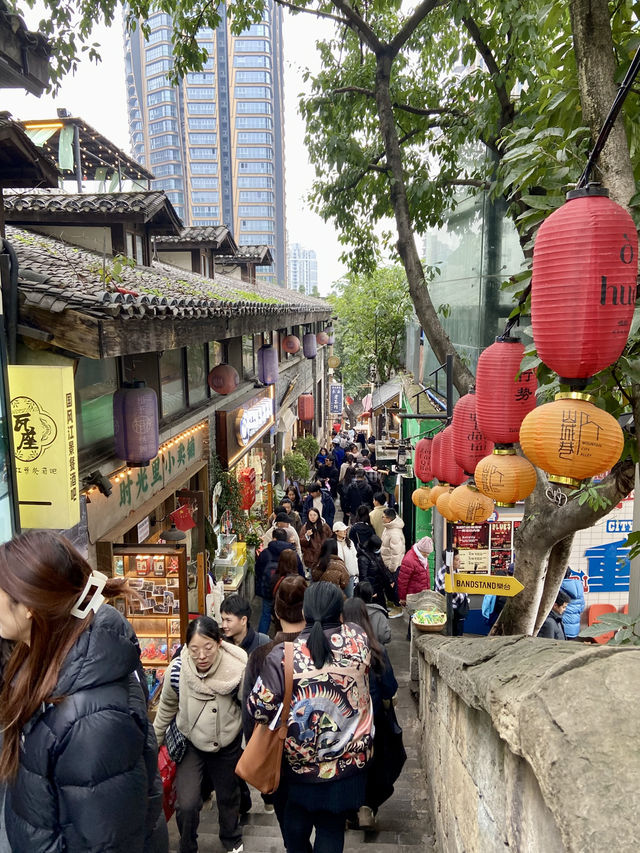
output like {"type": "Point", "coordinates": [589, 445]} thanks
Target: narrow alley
{"type": "Point", "coordinates": [403, 821]}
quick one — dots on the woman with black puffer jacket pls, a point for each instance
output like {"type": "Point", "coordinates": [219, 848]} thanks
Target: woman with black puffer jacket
{"type": "Point", "coordinates": [79, 753]}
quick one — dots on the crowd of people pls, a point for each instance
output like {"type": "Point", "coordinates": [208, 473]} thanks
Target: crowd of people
{"type": "Point", "coordinates": [73, 685]}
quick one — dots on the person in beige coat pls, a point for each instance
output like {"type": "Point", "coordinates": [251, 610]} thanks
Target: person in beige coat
{"type": "Point", "coordinates": [393, 547]}
{"type": "Point", "coordinates": [200, 693]}
{"type": "Point", "coordinates": [376, 514]}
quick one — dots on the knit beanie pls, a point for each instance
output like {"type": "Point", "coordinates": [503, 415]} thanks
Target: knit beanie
{"type": "Point", "coordinates": [425, 545]}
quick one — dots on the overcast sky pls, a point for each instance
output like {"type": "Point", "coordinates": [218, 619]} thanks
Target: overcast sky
{"type": "Point", "coordinates": [97, 94]}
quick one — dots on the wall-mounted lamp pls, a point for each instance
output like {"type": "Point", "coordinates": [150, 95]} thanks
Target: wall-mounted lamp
{"type": "Point", "coordinates": [100, 482]}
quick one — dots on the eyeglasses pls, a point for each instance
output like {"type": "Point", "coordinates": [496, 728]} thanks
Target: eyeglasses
{"type": "Point", "coordinates": [202, 653]}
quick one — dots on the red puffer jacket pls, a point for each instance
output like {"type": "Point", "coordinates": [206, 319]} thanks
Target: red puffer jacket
{"type": "Point", "coordinates": [413, 576]}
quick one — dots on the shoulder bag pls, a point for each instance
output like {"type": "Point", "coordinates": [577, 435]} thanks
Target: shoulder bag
{"type": "Point", "coordinates": [260, 763]}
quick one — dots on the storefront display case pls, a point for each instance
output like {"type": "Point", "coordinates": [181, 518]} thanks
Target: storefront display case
{"type": "Point", "coordinates": [159, 612]}
{"type": "Point", "coordinates": [230, 562]}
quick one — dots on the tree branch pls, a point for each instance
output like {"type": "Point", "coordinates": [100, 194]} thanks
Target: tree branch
{"type": "Point", "coordinates": [315, 12]}
{"type": "Point", "coordinates": [359, 26]}
{"type": "Point", "coordinates": [372, 166]}
{"type": "Point", "coordinates": [411, 25]}
{"type": "Point", "coordinates": [418, 111]}
{"type": "Point", "coordinates": [483, 48]}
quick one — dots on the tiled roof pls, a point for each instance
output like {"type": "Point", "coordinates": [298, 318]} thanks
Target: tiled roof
{"type": "Point", "coordinates": [152, 206]}
{"type": "Point", "coordinates": [55, 275]}
{"type": "Point", "coordinates": [21, 163]}
{"type": "Point", "coordinates": [245, 254]}
{"type": "Point", "coordinates": [197, 234]}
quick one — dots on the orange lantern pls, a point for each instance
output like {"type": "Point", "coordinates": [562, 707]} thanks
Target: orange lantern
{"type": "Point", "coordinates": [505, 476]}
{"type": "Point", "coordinates": [306, 407]}
{"type": "Point", "coordinates": [291, 344]}
{"type": "Point", "coordinates": [223, 379]}
{"type": "Point", "coordinates": [322, 339]}
{"type": "Point", "coordinates": [571, 438]}
{"type": "Point", "coordinates": [469, 505]}
{"type": "Point", "coordinates": [422, 498]}
{"type": "Point", "coordinates": [444, 506]}
{"type": "Point", "coordinates": [438, 490]}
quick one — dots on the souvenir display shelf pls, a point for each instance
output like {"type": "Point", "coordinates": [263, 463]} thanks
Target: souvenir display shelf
{"type": "Point", "coordinates": [158, 573]}
{"type": "Point", "coordinates": [230, 561]}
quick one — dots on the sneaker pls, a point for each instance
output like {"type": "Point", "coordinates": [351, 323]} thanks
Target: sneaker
{"type": "Point", "coordinates": [237, 849]}
{"type": "Point", "coordinates": [268, 808]}
{"type": "Point", "coordinates": [394, 612]}
{"type": "Point", "coordinates": [366, 818]}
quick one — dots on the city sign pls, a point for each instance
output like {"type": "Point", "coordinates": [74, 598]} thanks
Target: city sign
{"type": "Point", "coordinates": [482, 584]}
{"type": "Point", "coordinates": [336, 399]}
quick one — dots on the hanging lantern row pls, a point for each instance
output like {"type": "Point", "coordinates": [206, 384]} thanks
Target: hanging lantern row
{"type": "Point", "coordinates": [421, 498]}
{"type": "Point", "coordinates": [469, 505]}
{"type": "Point", "coordinates": [422, 460]}
{"type": "Point", "coordinates": [135, 424]}
{"type": "Point", "coordinates": [309, 345]}
{"type": "Point", "coordinates": [503, 399]}
{"type": "Point", "coordinates": [470, 445]}
{"type": "Point", "coordinates": [505, 477]}
{"type": "Point", "coordinates": [306, 408]}
{"type": "Point", "coordinates": [451, 472]}
{"type": "Point", "coordinates": [268, 370]}
{"type": "Point", "coordinates": [583, 285]}
{"type": "Point", "coordinates": [571, 439]}
{"type": "Point", "coordinates": [291, 344]}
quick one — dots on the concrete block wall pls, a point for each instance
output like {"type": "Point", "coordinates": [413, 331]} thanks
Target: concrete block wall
{"type": "Point", "coordinates": [530, 745]}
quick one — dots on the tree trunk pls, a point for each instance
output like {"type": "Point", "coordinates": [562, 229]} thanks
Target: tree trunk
{"type": "Point", "coordinates": [544, 526]}
{"type": "Point", "coordinates": [427, 315]}
{"type": "Point", "coordinates": [556, 569]}
{"type": "Point", "coordinates": [596, 65]}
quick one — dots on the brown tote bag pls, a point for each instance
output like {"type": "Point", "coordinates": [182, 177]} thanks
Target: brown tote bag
{"type": "Point", "coordinates": [260, 763]}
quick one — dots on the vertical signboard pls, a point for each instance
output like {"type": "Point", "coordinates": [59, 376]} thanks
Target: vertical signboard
{"type": "Point", "coordinates": [43, 420]}
{"type": "Point", "coordinates": [336, 403]}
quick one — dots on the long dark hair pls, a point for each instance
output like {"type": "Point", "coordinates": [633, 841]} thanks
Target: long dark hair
{"type": "Point", "coordinates": [42, 571]}
{"type": "Point", "coordinates": [328, 550]}
{"type": "Point", "coordinates": [349, 474]}
{"type": "Point", "coordinates": [362, 514]}
{"type": "Point", "coordinates": [355, 610]}
{"type": "Point", "coordinates": [321, 607]}
{"type": "Point", "coordinates": [316, 527]}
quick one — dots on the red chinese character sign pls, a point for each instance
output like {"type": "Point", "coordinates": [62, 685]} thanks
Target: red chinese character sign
{"type": "Point", "coordinates": [583, 286]}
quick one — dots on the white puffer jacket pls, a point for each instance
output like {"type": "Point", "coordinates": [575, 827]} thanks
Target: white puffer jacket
{"type": "Point", "coordinates": [349, 558]}
{"type": "Point", "coordinates": [393, 547]}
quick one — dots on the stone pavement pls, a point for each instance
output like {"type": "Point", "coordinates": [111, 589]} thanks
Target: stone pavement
{"type": "Point", "coordinates": [404, 825]}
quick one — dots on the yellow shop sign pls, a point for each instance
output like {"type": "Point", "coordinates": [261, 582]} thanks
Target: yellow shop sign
{"type": "Point", "coordinates": [43, 420]}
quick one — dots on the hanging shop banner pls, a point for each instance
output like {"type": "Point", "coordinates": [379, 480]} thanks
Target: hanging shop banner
{"type": "Point", "coordinates": [336, 398]}
{"type": "Point", "coordinates": [241, 425]}
{"type": "Point", "coordinates": [133, 487]}
{"type": "Point", "coordinates": [43, 420]}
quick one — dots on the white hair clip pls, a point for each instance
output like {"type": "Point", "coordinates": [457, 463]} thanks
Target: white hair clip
{"type": "Point", "coordinates": [96, 582]}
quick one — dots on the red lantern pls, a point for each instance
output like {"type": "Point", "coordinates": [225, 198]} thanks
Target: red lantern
{"type": "Point", "coordinates": [451, 471]}
{"type": "Point", "coordinates": [502, 401]}
{"type": "Point", "coordinates": [223, 379]}
{"type": "Point", "coordinates": [291, 344]}
{"type": "Point", "coordinates": [583, 287]}
{"type": "Point", "coordinates": [469, 444]}
{"type": "Point", "coordinates": [436, 447]}
{"type": "Point", "coordinates": [305, 407]}
{"type": "Point", "coordinates": [322, 339]}
{"type": "Point", "coordinates": [422, 460]}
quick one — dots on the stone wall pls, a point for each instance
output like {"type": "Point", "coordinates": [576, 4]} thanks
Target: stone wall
{"type": "Point", "coordinates": [530, 745]}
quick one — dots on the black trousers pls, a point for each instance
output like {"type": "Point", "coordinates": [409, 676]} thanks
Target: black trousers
{"type": "Point", "coordinates": [218, 770]}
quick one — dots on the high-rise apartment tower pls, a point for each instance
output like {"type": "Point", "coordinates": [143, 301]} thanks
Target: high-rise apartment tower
{"type": "Point", "coordinates": [215, 142]}
{"type": "Point", "coordinates": [303, 269]}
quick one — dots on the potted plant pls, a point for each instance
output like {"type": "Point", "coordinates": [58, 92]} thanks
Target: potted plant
{"type": "Point", "coordinates": [296, 467]}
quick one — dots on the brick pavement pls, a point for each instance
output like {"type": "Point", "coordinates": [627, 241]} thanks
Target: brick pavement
{"type": "Point", "coordinates": [404, 825]}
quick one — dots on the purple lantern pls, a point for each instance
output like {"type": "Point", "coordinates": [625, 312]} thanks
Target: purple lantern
{"type": "Point", "coordinates": [135, 424]}
{"type": "Point", "coordinates": [309, 345]}
{"type": "Point", "coordinates": [268, 365]}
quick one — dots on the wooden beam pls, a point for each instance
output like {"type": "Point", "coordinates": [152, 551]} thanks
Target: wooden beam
{"type": "Point", "coordinates": [70, 330]}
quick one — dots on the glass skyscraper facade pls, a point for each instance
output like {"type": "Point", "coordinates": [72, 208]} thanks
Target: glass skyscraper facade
{"type": "Point", "coordinates": [303, 269]}
{"type": "Point", "coordinates": [215, 142]}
